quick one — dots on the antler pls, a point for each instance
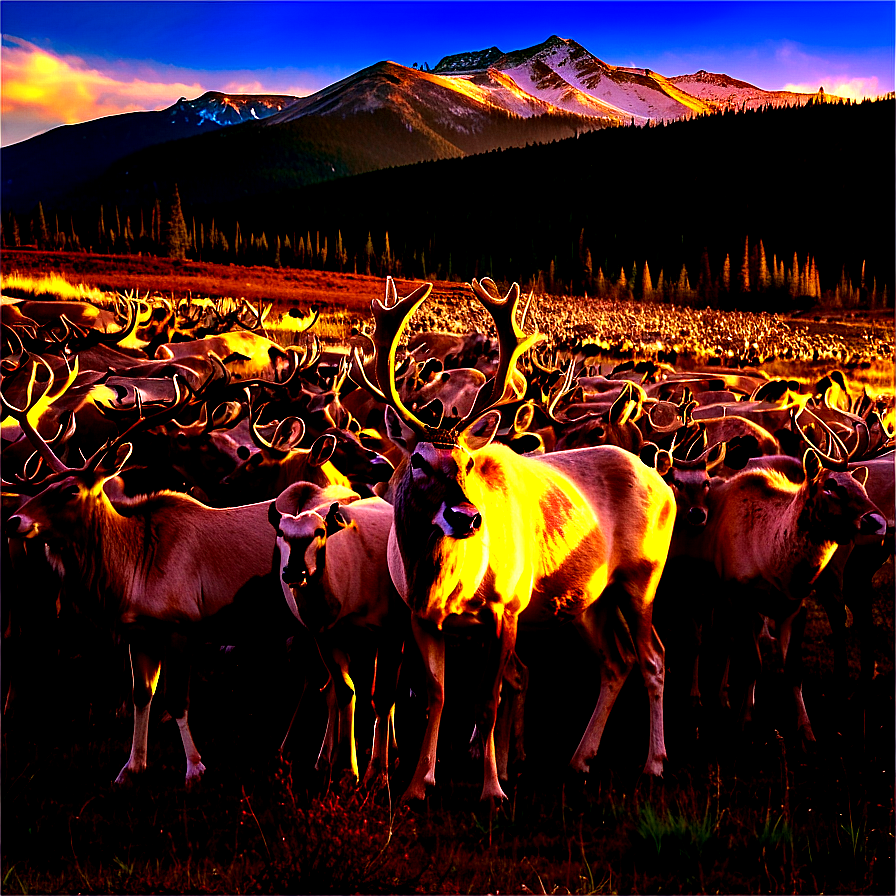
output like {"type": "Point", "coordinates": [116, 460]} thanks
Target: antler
{"type": "Point", "coordinates": [391, 319]}
{"type": "Point", "coordinates": [29, 416]}
{"type": "Point", "coordinates": [512, 342]}
{"type": "Point", "coordinates": [830, 462]}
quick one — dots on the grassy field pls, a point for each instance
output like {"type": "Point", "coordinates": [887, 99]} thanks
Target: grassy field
{"type": "Point", "coordinates": [737, 812]}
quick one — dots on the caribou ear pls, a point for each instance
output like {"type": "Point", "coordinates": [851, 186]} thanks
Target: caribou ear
{"type": "Point", "coordinates": [288, 434]}
{"type": "Point", "coordinates": [335, 520]}
{"type": "Point", "coordinates": [481, 431]}
{"type": "Point", "coordinates": [274, 515]}
{"type": "Point", "coordinates": [812, 465]}
{"type": "Point", "coordinates": [396, 429]}
{"type": "Point", "coordinates": [860, 474]}
{"type": "Point", "coordinates": [322, 450]}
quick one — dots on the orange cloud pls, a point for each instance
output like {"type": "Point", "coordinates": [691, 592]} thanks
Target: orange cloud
{"type": "Point", "coordinates": [42, 89]}
{"type": "Point", "coordinates": [848, 88]}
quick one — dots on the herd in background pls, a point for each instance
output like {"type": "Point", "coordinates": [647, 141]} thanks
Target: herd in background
{"type": "Point", "coordinates": [421, 491]}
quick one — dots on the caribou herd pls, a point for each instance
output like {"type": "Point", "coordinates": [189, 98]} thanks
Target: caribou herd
{"type": "Point", "coordinates": [163, 469]}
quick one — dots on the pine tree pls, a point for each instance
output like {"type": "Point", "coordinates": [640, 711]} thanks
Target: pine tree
{"type": "Point", "coordinates": [101, 231]}
{"type": "Point", "coordinates": [764, 278]}
{"type": "Point", "coordinates": [41, 236]}
{"type": "Point", "coordinates": [174, 228]}
{"type": "Point", "coordinates": [369, 254]}
{"type": "Point", "coordinates": [795, 277]}
{"type": "Point", "coordinates": [726, 274]}
{"type": "Point", "coordinates": [646, 285]}
{"type": "Point", "coordinates": [743, 280]}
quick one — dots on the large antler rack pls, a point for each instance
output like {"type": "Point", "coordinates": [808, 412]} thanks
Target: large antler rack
{"type": "Point", "coordinates": [391, 320]}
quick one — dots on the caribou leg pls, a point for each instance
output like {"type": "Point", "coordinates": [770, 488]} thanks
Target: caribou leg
{"type": "Point", "coordinates": [341, 702]}
{"type": "Point", "coordinates": [177, 696]}
{"type": "Point", "coordinates": [487, 712]}
{"type": "Point", "coordinates": [596, 626]}
{"type": "Point", "coordinates": [385, 684]}
{"type": "Point", "coordinates": [790, 636]}
{"type": "Point", "coordinates": [145, 668]}
{"type": "Point", "coordinates": [432, 649]}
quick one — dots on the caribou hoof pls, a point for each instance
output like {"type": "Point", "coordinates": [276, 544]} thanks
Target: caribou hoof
{"type": "Point", "coordinates": [127, 776]}
{"type": "Point", "coordinates": [195, 771]}
{"type": "Point", "coordinates": [376, 777]}
{"type": "Point", "coordinates": [806, 739]}
{"type": "Point", "coordinates": [416, 791]}
{"type": "Point", "coordinates": [493, 793]}
{"type": "Point", "coordinates": [654, 767]}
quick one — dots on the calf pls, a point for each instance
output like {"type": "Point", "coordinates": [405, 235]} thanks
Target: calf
{"type": "Point", "coordinates": [331, 559]}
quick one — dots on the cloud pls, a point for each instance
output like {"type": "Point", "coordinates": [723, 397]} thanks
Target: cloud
{"type": "Point", "coordinates": [846, 87]}
{"type": "Point", "coordinates": [43, 89]}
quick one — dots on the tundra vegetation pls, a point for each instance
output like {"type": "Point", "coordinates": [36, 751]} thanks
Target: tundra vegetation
{"type": "Point", "coordinates": [736, 811]}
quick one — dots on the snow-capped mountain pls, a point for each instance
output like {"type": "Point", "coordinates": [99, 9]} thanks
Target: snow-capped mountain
{"type": "Point", "coordinates": [226, 109]}
{"type": "Point", "coordinates": [722, 92]}
{"type": "Point", "coordinates": [562, 74]}
{"type": "Point", "coordinates": [384, 115]}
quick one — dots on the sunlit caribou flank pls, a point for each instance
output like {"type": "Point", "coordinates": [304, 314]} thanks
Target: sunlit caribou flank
{"type": "Point", "coordinates": [483, 536]}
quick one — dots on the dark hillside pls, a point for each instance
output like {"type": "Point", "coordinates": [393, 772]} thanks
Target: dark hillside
{"type": "Point", "coordinates": [805, 181]}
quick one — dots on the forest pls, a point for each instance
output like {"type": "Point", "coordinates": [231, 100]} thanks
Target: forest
{"type": "Point", "coordinates": [753, 209]}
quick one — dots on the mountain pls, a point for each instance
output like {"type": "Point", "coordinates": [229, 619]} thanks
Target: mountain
{"type": "Point", "coordinates": [46, 166]}
{"type": "Point", "coordinates": [563, 74]}
{"type": "Point", "coordinates": [722, 92]}
{"type": "Point", "coordinates": [219, 147]}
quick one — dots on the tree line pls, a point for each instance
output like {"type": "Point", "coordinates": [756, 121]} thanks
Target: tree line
{"type": "Point", "coordinates": [748, 208]}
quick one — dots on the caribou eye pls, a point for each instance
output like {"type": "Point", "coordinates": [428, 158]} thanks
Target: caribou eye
{"type": "Point", "coordinates": [320, 533]}
{"type": "Point", "coordinates": [417, 462]}
{"type": "Point", "coordinates": [470, 464]}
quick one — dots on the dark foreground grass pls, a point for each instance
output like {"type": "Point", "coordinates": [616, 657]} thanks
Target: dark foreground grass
{"type": "Point", "coordinates": [736, 812]}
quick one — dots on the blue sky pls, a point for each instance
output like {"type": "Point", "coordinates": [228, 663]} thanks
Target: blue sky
{"type": "Point", "coordinates": [64, 62]}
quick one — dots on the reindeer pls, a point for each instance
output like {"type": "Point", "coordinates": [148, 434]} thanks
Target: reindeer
{"type": "Point", "coordinates": [769, 538]}
{"type": "Point", "coordinates": [331, 560]}
{"type": "Point", "coordinates": [150, 566]}
{"type": "Point", "coordinates": [483, 536]}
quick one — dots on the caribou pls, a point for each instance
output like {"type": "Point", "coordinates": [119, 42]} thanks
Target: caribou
{"type": "Point", "coordinates": [331, 562]}
{"type": "Point", "coordinates": [769, 538]}
{"type": "Point", "coordinates": [483, 536]}
{"type": "Point", "coordinates": [150, 567]}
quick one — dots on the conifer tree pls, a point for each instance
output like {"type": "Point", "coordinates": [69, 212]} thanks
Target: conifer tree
{"type": "Point", "coordinates": [743, 280]}
{"type": "Point", "coordinates": [795, 277]}
{"type": "Point", "coordinates": [726, 274]}
{"type": "Point", "coordinates": [369, 254]}
{"type": "Point", "coordinates": [764, 278]}
{"type": "Point", "coordinates": [174, 228]}
{"type": "Point", "coordinates": [41, 236]}
{"type": "Point", "coordinates": [646, 285]}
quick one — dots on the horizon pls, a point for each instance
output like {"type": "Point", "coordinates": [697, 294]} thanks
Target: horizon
{"type": "Point", "coordinates": [68, 62]}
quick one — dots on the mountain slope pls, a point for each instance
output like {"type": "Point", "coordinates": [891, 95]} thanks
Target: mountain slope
{"type": "Point", "coordinates": [46, 166]}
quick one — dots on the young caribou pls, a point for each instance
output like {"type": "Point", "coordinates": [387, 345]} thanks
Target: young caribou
{"type": "Point", "coordinates": [483, 536]}
{"type": "Point", "coordinates": [331, 560]}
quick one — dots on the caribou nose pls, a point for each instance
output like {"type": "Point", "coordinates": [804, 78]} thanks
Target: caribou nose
{"type": "Point", "coordinates": [381, 469]}
{"type": "Point", "coordinates": [873, 524]}
{"type": "Point", "coordinates": [464, 519]}
{"type": "Point", "coordinates": [696, 516]}
{"type": "Point", "coordinates": [15, 525]}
